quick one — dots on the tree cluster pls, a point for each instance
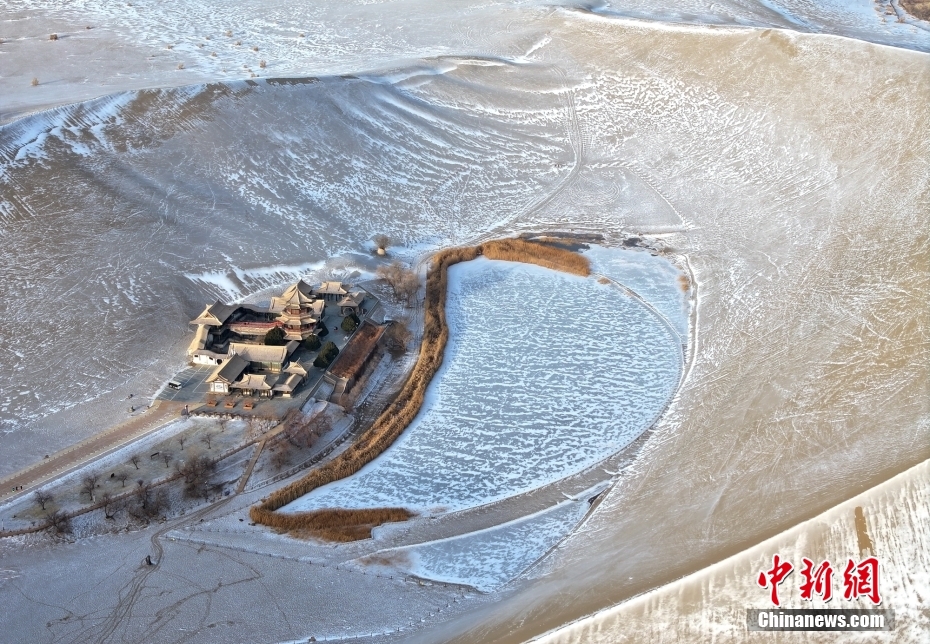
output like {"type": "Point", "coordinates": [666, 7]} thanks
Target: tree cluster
{"type": "Point", "coordinates": [300, 432]}
{"type": "Point", "coordinates": [275, 337]}
{"type": "Point", "coordinates": [149, 503]}
{"type": "Point", "coordinates": [397, 337]}
{"type": "Point", "coordinates": [59, 522]}
{"type": "Point", "coordinates": [349, 323]}
{"type": "Point", "coordinates": [326, 356]}
{"type": "Point", "coordinates": [197, 472]}
{"type": "Point", "coordinates": [403, 281]}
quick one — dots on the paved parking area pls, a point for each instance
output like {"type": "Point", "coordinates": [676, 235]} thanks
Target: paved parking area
{"type": "Point", "coordinates": [194, 388]}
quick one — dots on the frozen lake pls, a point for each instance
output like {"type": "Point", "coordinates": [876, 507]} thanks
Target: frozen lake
{"type": "Point", "coordinates": [545, 374]}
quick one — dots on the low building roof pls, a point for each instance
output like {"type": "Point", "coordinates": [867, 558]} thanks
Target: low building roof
{"type": "Point", "coordinates": [330, 288]}
{"type": "Point", "coordinates": [255, 382]}
{"type": "Point", "coordinates": [229, 371]}
{"type": "Point", "coordinates": [355, 298]}
{"type": "Point", "coordinates": [288, 382]}
{"type": "Point", "coordinates": [295, 368]}
{"type": "Point", "coordinates": [263, 352]}
{"type": "Point", "coordinates": [215, 314]}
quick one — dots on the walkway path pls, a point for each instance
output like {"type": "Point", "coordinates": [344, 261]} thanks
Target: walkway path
{"type": "Point", "coordinates": [159, 414]}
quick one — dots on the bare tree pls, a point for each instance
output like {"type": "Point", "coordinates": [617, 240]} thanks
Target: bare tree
{"type": "Point", "coordinates": [397, 337]}
{"type": "Point", "coordinates": [59, 522]}
{"type": "Point", "coordinates": [196, 473]}
{"type": "Point", "coordinates": [404, 282]}
{"type": "Point", "coordinates": [134, 459]}
{"type": "Point", "coordinates": [181, 440]}
{"type": "Point", "coordinates": [42, 497]}
{"type": "Point", "coordinates": [382, 242]}
{"type": "Point", "coordinates": [408, 287]}
{"type": "Point", "coordinates": [149, 502]}
{"type": "Point", "coordinates": [280, 458]}
{"type": "Point", "coordinates": [88, 484]}
{"type": "Point", "coordinates": [122, 477]}
{"type": "Point", "coordinates": [143, 492]}
{"type": "Point", "coordinates": [167, 457]}
{"type": "Point", "coordinates": [391, 273]}
{"type": "Point", "coordinates": [302, 431]}
{"type": "Point", "coordinates": [207, 439]}
{"type": "Point", "coordinates": [110, 505]}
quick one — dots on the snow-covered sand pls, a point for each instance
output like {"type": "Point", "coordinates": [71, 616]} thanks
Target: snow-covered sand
{"type": "Point", "coordinates": [140, 44]}
{"type": "Point", "coordinates": [486, 559]}
{"type": "Point", "coordinates": [714, 600]}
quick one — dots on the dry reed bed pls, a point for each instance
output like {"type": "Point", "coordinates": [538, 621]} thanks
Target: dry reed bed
{"type": "Point", "coordinates": [347, 525]}
{"type": "Point", "coordinates": [354, 357]}
{"type": "Point", "coordinates": [917, 8]}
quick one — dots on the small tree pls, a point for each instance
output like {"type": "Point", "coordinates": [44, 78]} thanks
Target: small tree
{"type": "Point", "coordinates": [206, 439]}
{"type": "Point", "coordinates": [59, 522]}
{"type": "Point", "coordinates": [280, 458]}
{"type": "Point", "coordinates": [143, 493]}
{"type": "Point", "coordinates": [149, 503]}
{"type": "Point", "coordinates": [167, 457]}
{"type": "Point", "coordinates": [349, 323]}
{"type": "Point", "coordinates": [407, 287]}
{"type": "Point", "coordinates": [42, 497]}
{"type": "Point", "coordinates": [327, 354]}
{"type": "Point", "coordinates": [397, 338]}
{"type": "Point", "coordinates": [321, 330]}
{"type": "Point", "coordinates": [134, 459]}
{"type": "Point", "coordinates": [382, 242]}
{"type": "Point", "coordinates": [275, 337]}
{"type": "Point", "coordinates": [196, 473]}
{"type": "Point", "coordinates": [122, 477]}
{"type": "Point", "coordinates": [110, 505]}
{"type": "Point", "coordinates": [403, 282]}
{"type": "Point", "coordinates": [312, 342]}
{"type": "Point", "coordinates": [181, 440]}
{"type": "Point", "coordinates": [88, 484]}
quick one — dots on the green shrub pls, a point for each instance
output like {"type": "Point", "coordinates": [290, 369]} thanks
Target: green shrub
{"type": "Point", "coordinates": [322, 331]}
{"type": "Point", "coordinates": [275, 337]}
{"type": "Point", "coordinates": [349, 323]}
{"type": "Point", "coordinates": [327, 354]}
{"type": "Point", "coordinates": [312, 343]}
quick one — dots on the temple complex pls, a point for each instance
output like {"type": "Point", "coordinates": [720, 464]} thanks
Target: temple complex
{"type": "Point", "coordinates": [235, 337]}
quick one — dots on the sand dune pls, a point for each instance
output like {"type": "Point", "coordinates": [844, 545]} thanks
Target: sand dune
{"type": "Point", "coordinates": [787, 171]}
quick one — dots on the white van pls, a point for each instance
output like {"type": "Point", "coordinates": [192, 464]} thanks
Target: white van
{"type": "Point", "coordinates": [174, 384]}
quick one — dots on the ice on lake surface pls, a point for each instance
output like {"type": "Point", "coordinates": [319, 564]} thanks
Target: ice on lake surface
{"type": "Point", "coordinates": [545, 374]}
{"type": "Point", "coordinates": [488, 559]}
{"type": "Point", "coordinates": [651, 277]}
